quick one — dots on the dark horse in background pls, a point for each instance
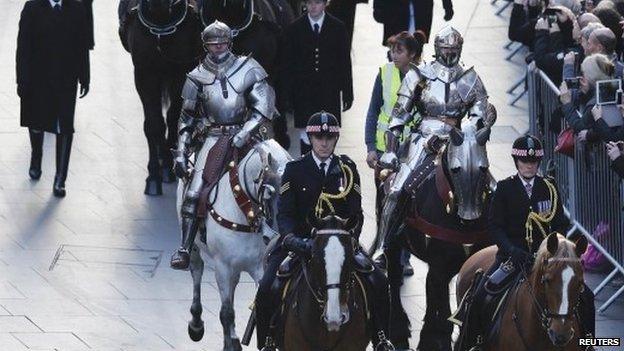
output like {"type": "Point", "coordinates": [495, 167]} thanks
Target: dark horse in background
{"type": "Point", "coordinates": [257, 26]}
{"type": "Point", "coordinates": [163, 37]}
{"type": "Point", "coordinates": [444, 215]}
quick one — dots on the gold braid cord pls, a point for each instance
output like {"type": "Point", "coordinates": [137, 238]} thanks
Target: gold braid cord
{"type": "Point", "coordinates": [536, 219]}
{"type": "Point", "coordinates": [325, 198]}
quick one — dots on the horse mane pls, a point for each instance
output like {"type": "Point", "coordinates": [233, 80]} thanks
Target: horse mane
{"type": "Point", "coordinates": [565, 254]}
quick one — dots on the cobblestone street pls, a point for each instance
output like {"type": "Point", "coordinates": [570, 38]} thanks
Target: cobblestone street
{"type": "Point", "coordinates": [91, 271]}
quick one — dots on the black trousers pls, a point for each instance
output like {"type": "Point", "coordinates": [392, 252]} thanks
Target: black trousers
{"type": "Point", "coordinates": [266, 303]}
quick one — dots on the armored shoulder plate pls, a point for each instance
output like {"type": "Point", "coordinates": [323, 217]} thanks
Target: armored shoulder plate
{"type": "Point", "coordinates": [244, 73]}
{"type": "Point", "coordinates": [410, 81]}
{"type": "Point", "coordinates": [428, 71]}
{"type": "Point", "coordinates": [470, 87]}
{"type": "Point", "coordinates": [202, 76]}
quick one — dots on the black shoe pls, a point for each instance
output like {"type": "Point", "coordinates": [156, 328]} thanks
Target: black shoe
{"type": "Point", "coordinates": [36, 144]}
{"type": "Point", "coordinates": [382, 343]}
{"type": "Point", "coordinates": [180, 260]}
{"type": "Point", "coordinates": [63, 151]}
{"type": "Point", "coordinates": [58, 189]}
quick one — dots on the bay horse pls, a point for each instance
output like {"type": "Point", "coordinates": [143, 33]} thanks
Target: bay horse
{"type": "Point", "coordinates": [540, 312]}
{"type": "Point", "coordinates": [163, 38]}
{"type": "Point", "coordinates": [258, 26]}
{"type": "Point", "coordinates": [445, 221]}
{"type": "Point", "coordinates": [327, 308]}
{"type": "Point", "coordinates": [233, 249]}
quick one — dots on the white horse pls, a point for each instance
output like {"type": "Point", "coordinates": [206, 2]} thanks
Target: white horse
{"type": "Point", "coordinates": [232, 251]}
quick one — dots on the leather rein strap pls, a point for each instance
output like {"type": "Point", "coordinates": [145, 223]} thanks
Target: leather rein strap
{"type": "Point", "coordinates": [446, 234]}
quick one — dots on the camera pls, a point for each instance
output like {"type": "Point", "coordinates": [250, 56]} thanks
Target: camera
{"type": "Point", "coordinates": [550, 14]}
{"type": "Point", "coordinates": [573, 83]}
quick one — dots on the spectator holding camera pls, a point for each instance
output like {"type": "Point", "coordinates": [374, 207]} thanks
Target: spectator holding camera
{"type": "Point", "coordinates": [578, 112]}
{"type": "Point", "coordinates": [553, 39]}
{"type": "Point", "coordinates": [616, 154]}
{"type": "Point", "coordinates": [608, 133]}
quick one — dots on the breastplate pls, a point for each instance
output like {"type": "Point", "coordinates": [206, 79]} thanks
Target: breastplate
{"type": "Point", "coordinates": [221, 104]}
{"type": "Point", "coordinates": [441, 99]}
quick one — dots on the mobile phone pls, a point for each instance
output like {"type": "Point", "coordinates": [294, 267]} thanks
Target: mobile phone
{"type": "Point", "coordinates": [608, 92]}
{"type": "Point", "coordinates": [573, 83]}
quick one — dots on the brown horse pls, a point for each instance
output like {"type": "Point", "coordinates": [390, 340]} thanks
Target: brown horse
{"type": "Point", "coordinates": [541, 310]}
{"type": "Point", "coordinates": [327, 309]}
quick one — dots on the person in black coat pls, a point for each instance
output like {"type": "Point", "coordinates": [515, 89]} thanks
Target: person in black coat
{"type": "Point", "coordinates": [616, 155]}
{"type": "Point", "coordinates": [344, 10]}
{"type": "Point", "coordinates": [316, 67]}
{"type": "Point", "coordinates": [525, 209]}
{"type": "Point", "coordinates": [408, 15]}
{"type": "Point", "coordinates": [524, 15]}
{"type": "Point", "coordinates": [88, 4]}
{"type": "Point", "coordinates": [319, 173]}
{"type": "Point", "coordinates": [52, 58]}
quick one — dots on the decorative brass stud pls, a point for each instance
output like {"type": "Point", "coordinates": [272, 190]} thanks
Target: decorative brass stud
{"type": "Point", "coordinates": [237, 188]}
{"type": "Point", "coordinates": [232, 164]}
{"type": "Point", "coordinates": [448, 208]}
{"type": "Point", "coordinates": [234, 226]}
{"type": "Point", "coordinates": [251, 214]}
{"type": "Point", "coordinates": [451, 196]}
{"type": "Point", "coordinates": [219, 219]}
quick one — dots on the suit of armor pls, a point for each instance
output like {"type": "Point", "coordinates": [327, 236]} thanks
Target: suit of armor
{"type": "Point", "coordinates": [443, 92]}
{"type": "Point", "coordinates": [224, 95]}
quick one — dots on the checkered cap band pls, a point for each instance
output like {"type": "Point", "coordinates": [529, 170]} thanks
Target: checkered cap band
{"type": "Point", "coordinates": [527, 153]}
{"type": "Point", "coordinates": [322, 129]}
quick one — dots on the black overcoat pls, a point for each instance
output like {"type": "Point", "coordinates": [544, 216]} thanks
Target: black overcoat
{"type": "Point", "coordinates": [316, 70]}
{"type": "Point", "coordinates": [52, 57]}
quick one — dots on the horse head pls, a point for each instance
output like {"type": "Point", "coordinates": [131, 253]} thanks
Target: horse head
{"type": "Point", "coordinates": [267, 183]}
{"type": "Point", "coordinates": [162, 17]}
{"type": "Point", "coordinates": [237, 14]}
{"type": "Point", "coordinates": [557, 281]}
{"type": "Point", "coordinates": [468, 165]}
{"type": "Point", "coordinates": [331, 264]}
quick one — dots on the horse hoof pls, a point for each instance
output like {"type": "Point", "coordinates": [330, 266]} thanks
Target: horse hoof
{"type": "Point", "coordinates": [196, 334]}
{"type": "Point", "coordinates": [168, 176]}
{"type": "Point", "coordinates": [236, 345]}
{"type": "Point", "coordinates": [153, 187]}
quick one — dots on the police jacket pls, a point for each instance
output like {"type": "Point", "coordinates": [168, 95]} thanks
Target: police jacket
{"type": "Point", "coordinates": [510, 210]}
{"type": "Point", "coordinates": [302, 186]}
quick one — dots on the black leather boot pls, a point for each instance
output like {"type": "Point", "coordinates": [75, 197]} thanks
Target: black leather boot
{"type": "Point", "coordinates": [379, 296]}
{"type": "Point", "coordinates": [181, 258]}
{"type": "Point", "coordinates": [63, 151]}
{"type": "Point", "coordinates": [36, 144]}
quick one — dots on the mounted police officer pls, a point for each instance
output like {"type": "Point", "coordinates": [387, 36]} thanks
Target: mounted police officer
{"type": "Point", "coordinates": [525, 208]}
{"type": "Point", "coordinates": [305, 181]}
{"type": "Point", "coordinates": [225, 96]}
{"type": "Point", "coordinates": [443, 92]}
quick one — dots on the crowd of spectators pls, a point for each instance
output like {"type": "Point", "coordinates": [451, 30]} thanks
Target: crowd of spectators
{"type": "Point", "coordinates": [578, 43]}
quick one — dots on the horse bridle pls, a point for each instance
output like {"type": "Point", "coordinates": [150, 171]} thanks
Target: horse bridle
{"type": "Point", "coordinates": [317, 293]}
{"type": "Point", "coordinates": [167, 30]}
{"type": "Point", "coordinates": [545, 315]}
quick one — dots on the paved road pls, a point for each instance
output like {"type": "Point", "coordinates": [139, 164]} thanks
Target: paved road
{"type": "Point", "coordinates": [90, 271]}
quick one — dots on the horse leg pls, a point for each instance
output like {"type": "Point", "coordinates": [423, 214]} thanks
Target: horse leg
{"type": "Point", "coordinates": [148, 85]}
{"type": "Point", "coordinates": [227, 280]}
{"type": "Point", "coordinates": [196, 325]}
{"type": "Point", "coordinates": [399, 321]}
{"type": "Point", "coordinates": [436, 332]}
{"type": "Point", "coordinates": [174, 91]}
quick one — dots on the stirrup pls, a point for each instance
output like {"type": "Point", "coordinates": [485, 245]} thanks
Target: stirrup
{"type": "Point", "coordinates": [269, 345]}
{"type": "Point", "coordinates": [383, 344]}
{"type": "Point", "coordinates": [180, 259]}
{"type": "Point", "coordinates": [478, 345]}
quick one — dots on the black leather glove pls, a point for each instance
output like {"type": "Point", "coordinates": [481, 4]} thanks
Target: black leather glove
{"type": "Point", "coordinates": [180, 167]}
{"type": "Point", "coordinates": [301, 246]}
{"type": "Point", "coordinates": [448, 14]}
{"type": "Point", "coordinates": [520, 257]}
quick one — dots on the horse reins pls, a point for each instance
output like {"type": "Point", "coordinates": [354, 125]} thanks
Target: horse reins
{"type": "Point", "coordinates": [543, 313]}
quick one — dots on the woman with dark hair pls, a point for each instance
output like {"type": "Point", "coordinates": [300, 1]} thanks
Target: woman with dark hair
{"type": "Point", "coordinates": [610, 18]}
{"type": "Point", "coordinates": [405, 52]}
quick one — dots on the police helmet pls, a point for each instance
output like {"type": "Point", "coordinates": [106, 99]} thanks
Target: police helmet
{"type": "Point", "coordinates": [323, 123]}
{"type": "Point", "coordinates": [527, 148]}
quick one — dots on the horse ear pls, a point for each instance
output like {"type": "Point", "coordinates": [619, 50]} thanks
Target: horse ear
{"type": "Point", "coordinates": [483, 135]}
{"type": "Point", "coordinates": [552, 243]}
{"type": "Point", "coordinates": [581, 246]}
{"type": "Point", "coordinates": [457, 137]}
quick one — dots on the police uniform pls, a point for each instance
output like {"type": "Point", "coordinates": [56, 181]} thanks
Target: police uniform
{"type": "Point", "coordinates": [522, 214]}
{"type": "Point", "coordinates": [308, 192]}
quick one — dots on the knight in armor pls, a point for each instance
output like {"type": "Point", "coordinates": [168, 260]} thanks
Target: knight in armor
{"type": "Point", "coordinates": [319, 184]}
{"type": "Point", "coordinates": [525, 208]}
{"type": "Point", "coordinates": [442, 92]}
{"type": "Point", "coordinates": [224, 96]}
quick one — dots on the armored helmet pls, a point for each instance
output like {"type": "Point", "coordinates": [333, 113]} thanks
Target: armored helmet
{"type": "Point", "coordinates": [323, 123]}
{"type": "Point", "coordinates": [448, 46]}
{"type": "Point", "coordinates": [217, 33]}
{"type": "Point", "coordinates": [527, 148]}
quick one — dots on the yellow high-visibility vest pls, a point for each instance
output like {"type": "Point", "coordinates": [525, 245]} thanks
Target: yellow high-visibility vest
{"type": "Point", "coordinates": [390, 84]}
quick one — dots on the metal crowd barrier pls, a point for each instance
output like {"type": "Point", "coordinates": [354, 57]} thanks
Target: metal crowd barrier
{"type": "Point", "coordinates": [592, 194]}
